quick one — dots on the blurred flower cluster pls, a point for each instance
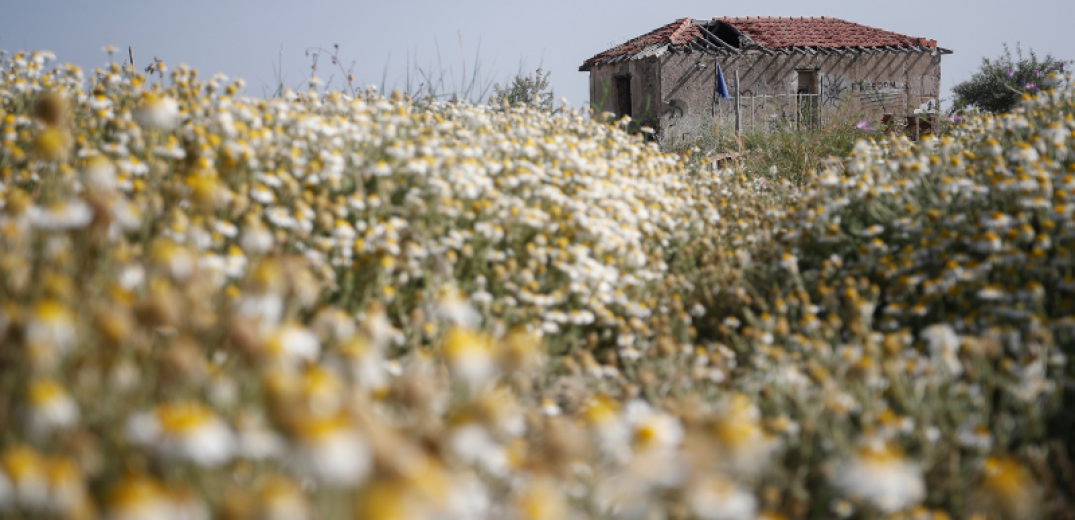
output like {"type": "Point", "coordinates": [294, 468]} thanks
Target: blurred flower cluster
{"type": "Point", "coordinates": [331, 306]}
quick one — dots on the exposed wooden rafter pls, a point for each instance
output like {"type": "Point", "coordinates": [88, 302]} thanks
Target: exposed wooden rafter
{"type": "Point", "coordinates": [705, 45]}
{"type": "Point", "coordinates": [717, 39]}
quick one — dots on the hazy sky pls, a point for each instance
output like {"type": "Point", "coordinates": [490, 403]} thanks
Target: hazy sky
{"type": "Point", "coordinates": [254, 39]}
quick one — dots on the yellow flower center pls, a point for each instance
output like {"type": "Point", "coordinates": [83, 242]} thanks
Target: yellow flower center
{"type": "Point", "coordinates": [44, 391]}
{"type": "Point", "coordinates": [135, 491]}
{"type": "Point", "coordinates": [182, 418]}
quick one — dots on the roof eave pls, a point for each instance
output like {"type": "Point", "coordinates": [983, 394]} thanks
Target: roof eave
{"type": "Point", "coordinates": [747, 45]}
{"type": "Point", "coordinates": [812, 49]}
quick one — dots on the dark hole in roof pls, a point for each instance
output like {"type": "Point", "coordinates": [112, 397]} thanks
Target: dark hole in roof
{"type": "Point", "coordinates": [725, 33]}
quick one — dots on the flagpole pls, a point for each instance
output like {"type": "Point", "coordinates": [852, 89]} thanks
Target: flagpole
{"type": "Point", "coordinates": [738, 121]}
{"type": "Point", "coordinates": [716, 81]}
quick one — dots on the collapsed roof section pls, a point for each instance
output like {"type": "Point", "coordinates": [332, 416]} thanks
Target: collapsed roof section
{"type": "Point", "coordinates": [768, 35]}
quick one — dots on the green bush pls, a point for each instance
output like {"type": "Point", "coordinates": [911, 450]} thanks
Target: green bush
{"type": "Point", "coordinates": [1001, 82]}
{"type": "Point", "coordinates": [530, 89]}
{"type": "Point", "coordinates": [793, 153]}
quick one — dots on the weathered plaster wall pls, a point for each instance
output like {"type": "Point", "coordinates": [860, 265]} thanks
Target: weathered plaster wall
{"type": "Point", "coordinates": [645, 88]}
{"type": "Point", "coordinates": [867, 84]}
{"type": "Point", "coordinates": [894, 80]}
{"type": "Point", "coordinates": [687, 94]}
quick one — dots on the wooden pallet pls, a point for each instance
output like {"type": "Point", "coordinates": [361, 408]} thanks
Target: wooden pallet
{"type": "Point", "coordinates": [727, 159]}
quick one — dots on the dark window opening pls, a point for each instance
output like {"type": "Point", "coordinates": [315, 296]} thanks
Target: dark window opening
{"type": "Point", "coordinates": [623, 96]}
{"type": "Point", "coordinates": [807, 82]}
{"type": "Point", "coordinates": [808, 113]}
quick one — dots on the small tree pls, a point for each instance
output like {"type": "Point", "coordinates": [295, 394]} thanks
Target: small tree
{"type": "Point", "coordinates": [530, 89]}
{"type": "Point", "coordinates": [1000, 83]}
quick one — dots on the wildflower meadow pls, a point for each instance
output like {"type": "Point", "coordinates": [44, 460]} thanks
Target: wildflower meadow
{"type": "Point", "coordinates": [330, 304]}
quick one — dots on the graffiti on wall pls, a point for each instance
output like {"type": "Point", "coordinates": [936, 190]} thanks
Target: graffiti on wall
{"type": "Point", "coordinates": [833, 88]}
{"type": "Point", "coordinates": [866, 85]}
{"type": "Point", "coordinates": [878, 94]}
{"type": "Point", "coordinates": [673, 109]}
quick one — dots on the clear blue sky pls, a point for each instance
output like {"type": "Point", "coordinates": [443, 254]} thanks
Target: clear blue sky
{"type": "Point", "coordinates": [247, 38]}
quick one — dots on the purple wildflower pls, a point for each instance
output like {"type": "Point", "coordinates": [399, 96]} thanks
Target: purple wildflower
{"type": "Point", "coordinates": [954, 118]}
{"type": "Point", "coordinates": [1011, 73]}
{"type": "Point", "coordinates": [1031, 87]}
{"type": "Point", "coordinates": [864, 125]}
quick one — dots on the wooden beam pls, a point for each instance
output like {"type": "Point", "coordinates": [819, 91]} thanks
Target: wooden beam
{"type": "Point", "coordinates": [706, 46]}
{"type": "Point", "coordinates": [717, 39]}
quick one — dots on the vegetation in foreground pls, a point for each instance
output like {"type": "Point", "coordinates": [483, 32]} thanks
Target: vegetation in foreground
{"type": "Point", "coordinates": [330, 306]}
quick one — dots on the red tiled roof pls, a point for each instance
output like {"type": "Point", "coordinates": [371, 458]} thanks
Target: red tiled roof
{"type": "Point", "coordinates": [826, 32]}
{"type": "Point", "coordinates": [679, 32]}
{"type": "Point", "coordinates": [767, 32]}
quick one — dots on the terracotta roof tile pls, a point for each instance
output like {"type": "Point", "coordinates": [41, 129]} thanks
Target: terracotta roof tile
{"type": "Point", "coordinates": [767, 32]}
{"type": "Point", "coordinates": [826, 32]}
{"type": "Point", "coordinates": [679, 32]}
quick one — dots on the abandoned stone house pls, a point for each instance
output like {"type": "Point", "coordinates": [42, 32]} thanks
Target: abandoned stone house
{"type": "Point", "coordinates": [776, 70]}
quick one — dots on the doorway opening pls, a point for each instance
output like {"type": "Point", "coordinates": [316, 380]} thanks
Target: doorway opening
{"type": "Point", "coordinates": [808, 99]}
{"type": "Point", "coordinates": [623, 96]}
{"type": "Point", "coordinates": [807, 82]}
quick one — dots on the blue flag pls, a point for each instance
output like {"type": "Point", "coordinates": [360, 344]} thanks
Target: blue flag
{"type": "Point", "coordinates": [722, 88]}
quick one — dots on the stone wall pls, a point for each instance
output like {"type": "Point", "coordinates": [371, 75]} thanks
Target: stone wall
{"type": "Point", "coordinates": [862, 85]}
{"type": "Point", "coordinates": [645, 88]}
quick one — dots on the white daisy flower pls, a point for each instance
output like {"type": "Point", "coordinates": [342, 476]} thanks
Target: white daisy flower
{"type": "Point", "coordinates": [332, 451]}
{"type": "Point", "coordinates": [880, 474]}
{"type": "Point", "coordinates": [156, 112]}
{"type": "Point", "coordinates": [715, 497]}
{"type": "Point", "coordinates": [183, 431]}
{"type": "Point", "coordinates": [50, 408]}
